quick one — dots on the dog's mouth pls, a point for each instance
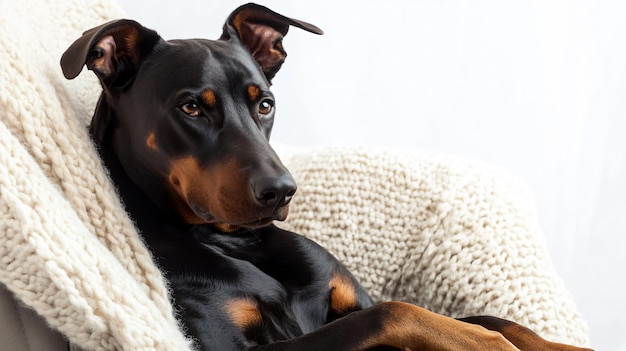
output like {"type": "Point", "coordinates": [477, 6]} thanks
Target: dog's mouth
{"type": "Point", "coordinates": [229, 228]}
{"type": "Point", "coordinates": [259, 220]}
{"type": "Point", "coordinates": [223, 196]}
{"type": "Point", "coordinates": [225, 215]}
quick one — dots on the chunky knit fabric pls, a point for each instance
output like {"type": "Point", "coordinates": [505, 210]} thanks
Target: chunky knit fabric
{"type": "Point", "coordinates": [455, 236]}
{"type": "Point", "coordinates": [451, 235]}
{"type": "Point", "coordinates": [67, 247]}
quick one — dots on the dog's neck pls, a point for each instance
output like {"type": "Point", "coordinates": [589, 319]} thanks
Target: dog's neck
{"type": "Point", "coordinates": [144, 210]}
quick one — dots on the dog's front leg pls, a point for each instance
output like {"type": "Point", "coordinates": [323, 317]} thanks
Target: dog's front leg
{"type": "Point", "coordinates": [397, 325]}
{"type": "Point", "coordinates": [520, 336]}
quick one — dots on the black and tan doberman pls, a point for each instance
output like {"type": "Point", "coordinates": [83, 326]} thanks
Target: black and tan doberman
{"type": "Point", "coordinates": [183, 127]}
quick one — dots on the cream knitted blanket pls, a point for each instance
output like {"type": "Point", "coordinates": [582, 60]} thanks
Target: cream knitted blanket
{"type": "Point", "coordinates": [451, 235]}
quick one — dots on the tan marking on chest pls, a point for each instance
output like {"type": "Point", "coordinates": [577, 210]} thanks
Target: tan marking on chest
{"type": "Point", "coordinates": [342, 294]}
{"type": "Point", "coordinates": [243, 313]}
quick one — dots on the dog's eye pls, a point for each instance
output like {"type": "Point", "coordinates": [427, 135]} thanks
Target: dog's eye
{"type": "Point", "coordinates": [191, 109]}
{"type": "Point", "coordinates": [266, 106]}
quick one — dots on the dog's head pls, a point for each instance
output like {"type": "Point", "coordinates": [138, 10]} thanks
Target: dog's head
{"type": "Point", "coordinates": [194, 116]}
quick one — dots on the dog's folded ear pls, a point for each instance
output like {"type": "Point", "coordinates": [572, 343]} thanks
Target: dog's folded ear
{"type": "Point", "coordinates": [113, 51]}
{"type": "Point", "coordinates": [261, 31]}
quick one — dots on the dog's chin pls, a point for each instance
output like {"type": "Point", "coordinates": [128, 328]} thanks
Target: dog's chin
{"type": "Point", "coordinates": [229, 228]}
{"type": "Point", "coordinates": [254, 221]}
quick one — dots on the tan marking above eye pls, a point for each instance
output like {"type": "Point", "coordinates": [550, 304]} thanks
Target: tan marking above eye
{"type": "Point", "coordinates": [253, 92]}
{"type": "Point", "coordinates": [243, 312]}
{"type": "Point", "coordinates": [209, 98]}
{"type": "Point", "coordinates": [342, 294]}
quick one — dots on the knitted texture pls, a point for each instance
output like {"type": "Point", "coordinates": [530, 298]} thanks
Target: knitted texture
{"type": "Point", "coordinates": [453, 236]}
{"type": "Point", "coordinates": [67, 248]}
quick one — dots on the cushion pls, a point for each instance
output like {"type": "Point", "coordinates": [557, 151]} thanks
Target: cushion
{"type": "Point", "coordinates": [456, 236]}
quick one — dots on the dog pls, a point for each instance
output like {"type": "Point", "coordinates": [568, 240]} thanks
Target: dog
{"type": "Point", "coordinates": [183, 128]}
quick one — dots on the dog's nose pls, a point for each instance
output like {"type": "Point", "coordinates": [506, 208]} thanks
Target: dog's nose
{"type": "Point", "coordinates": [274, 191]}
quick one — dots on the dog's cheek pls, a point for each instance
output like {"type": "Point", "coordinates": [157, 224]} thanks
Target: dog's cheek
{"type": "Point", "coordinates": [191, 192]}
{"type": "Point", "coordinates": [235, 202]}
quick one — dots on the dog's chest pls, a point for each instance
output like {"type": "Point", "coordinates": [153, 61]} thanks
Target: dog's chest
{"type": "Point", "coordinates": [260, 288]}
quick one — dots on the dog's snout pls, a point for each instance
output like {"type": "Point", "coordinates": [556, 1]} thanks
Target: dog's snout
{"type": "Point", "coordinates": [274, 191]}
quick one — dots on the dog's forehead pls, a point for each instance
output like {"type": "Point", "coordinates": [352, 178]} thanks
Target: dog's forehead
{"type": "Point", "coordinates": [201, 62]}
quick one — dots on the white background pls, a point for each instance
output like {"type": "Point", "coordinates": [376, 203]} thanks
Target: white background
{"type": "Point", "coordinates": [537, 87]}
